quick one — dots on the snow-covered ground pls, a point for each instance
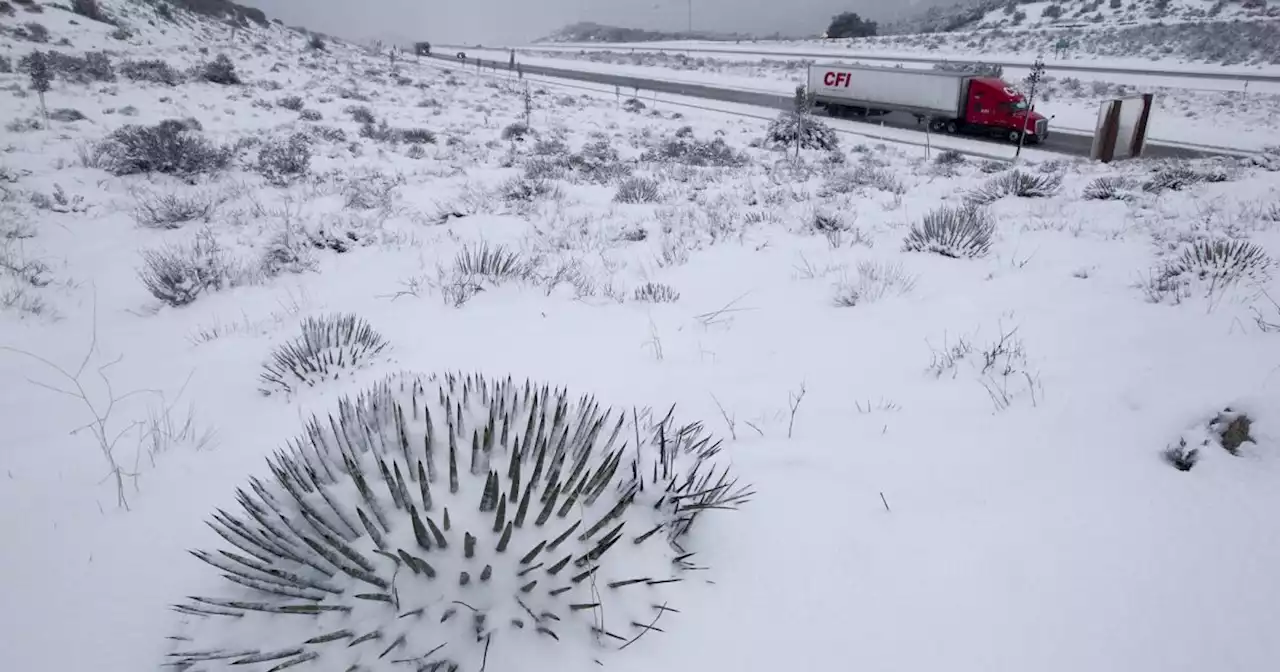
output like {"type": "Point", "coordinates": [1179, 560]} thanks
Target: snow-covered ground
{"type": "Point", "coordinates": [959, 461]}
{"type": "Point", "coordinates": [1244, 118]}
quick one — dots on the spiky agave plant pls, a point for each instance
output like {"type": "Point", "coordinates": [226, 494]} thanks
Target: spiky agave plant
{"type": "Point", "coordinates": [327, 346]}
{"type": "Point", "coordinates": [434, 519]}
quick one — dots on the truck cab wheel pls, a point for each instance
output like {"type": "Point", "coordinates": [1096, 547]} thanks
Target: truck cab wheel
{"type": "Point", "coordinates": [1013, 137]}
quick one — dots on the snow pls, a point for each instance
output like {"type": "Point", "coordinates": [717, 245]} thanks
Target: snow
{"type": "Point", "coordinates": [913, 511]}
{"type": "Point", "coordinates": [1187, 111]}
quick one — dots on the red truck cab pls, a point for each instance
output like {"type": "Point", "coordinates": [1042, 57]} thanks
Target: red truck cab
{"type": "Point", "coordinates": [993, 106]}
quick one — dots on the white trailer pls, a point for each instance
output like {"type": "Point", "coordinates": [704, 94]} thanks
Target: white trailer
{"type": "Point", "coordinates": [877, 90]}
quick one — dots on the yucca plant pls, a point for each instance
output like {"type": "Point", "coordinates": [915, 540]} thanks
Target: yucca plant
{"type": "Point", "coordinates": [440, 523]}
{"type": "Point", "coordinates": [328, 346]}
{"type": "Point", "coordinates": [953, 232]}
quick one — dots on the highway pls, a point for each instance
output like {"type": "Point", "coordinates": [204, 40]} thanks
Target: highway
{"type": "Point", "coordinates": [1062, 143]}
{"type": "Point", "coordinates": [1072, 66]}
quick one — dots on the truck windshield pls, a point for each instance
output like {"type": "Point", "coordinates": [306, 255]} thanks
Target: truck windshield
{"type": "Point", "coordinates": [1019, 105]}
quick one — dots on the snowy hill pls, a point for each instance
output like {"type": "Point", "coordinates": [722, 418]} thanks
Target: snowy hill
{"type": "Point", "coordinates": [963, 414]}
{"type": "Point", "coordinates": [988, 14]}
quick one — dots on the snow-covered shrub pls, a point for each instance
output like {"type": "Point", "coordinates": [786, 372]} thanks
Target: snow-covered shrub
{"type": "Point", "coordinates": [953, 232]}
{"type": "Point", "coordinates": [656, 292]}
{"type": "Point", "coordinates": [94, 66]}
{"type": "Point", "coordinates": [454, 520]}
{"type": "Point", "coordinates": [861, 176]}
{"type": "Point", "coordinates": [1109, 188]}
{"type": "Point", "coordinates": [417, 136]}
{"type": "Point", "coordinates": [171, 210]}
{"type": "Point", "coordinates": [875, 281]}
{"type": "Point", "coordinates": [282, 160]}
{"type": "Point", "coordinates": [34, 32]}
{"type": "Point", "coordinates": [1222, 261]}
{"type": "Point", "coordinates": [310, 115]}
{"type": "Point", "coordinates": [219, 71]}
{"type": "Point", "coordinates": [516, 131]}
{"type": "Point", "coordinates": [633, 105]}
{"type": "Point", "coordinates": [90, 10]}
{"type": "Point", "coordinates": [155, 71]}
{"type": "Point", "coordinates": [1175, 177]}
{"type": "Point", "coordinates": [496, 264]}
{"type": "Point", "coordinates": [1016, 183]}
{"type": "Point", "coordinates": [316, 43]}
{"type": "Point", "coordinates": [1180, 456]}
{"type": "Point", "coordinates": [693, 152]}
{"type": "Point", "coordinates": [977, 68]}
{"type": "Point", "coordinates": [814, 134]}
{"type": "Point", "coordinates": [6, 65]}
{"type": "Point", "coordinates": [173, 146]}
{"type": "Point", "coordinates": [6, 9]}
{"type": "Point", "coordinates": [291, 103]}
{"type": "Point", "coordinates": [949, 157]}
{"type": "Point", "coordinates": [518, 190]}
{"type": "Point", "coordinates": [178, 274]}
{"type": "Point", "coordinates": [361, 114]}
{"type": "Point", "coordinates": [370, 190]}
{"type": "Point", "coordinates": [638, 190]}
{"type": "Point", "coordinates": [327, 347]}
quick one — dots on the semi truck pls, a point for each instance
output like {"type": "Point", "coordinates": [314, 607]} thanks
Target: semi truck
{"type": "Point", "coordinates": [950, 102]}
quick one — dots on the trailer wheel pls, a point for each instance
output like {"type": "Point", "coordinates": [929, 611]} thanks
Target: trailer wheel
{"type": "Point", "coordinates": [952, 128]}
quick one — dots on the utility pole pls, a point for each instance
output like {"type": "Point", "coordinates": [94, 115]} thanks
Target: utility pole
{"type": "Point", "coordinates": [690, 31]}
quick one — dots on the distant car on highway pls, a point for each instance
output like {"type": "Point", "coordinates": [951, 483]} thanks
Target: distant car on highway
{"type": "Point", "coordinates": [462, 55]}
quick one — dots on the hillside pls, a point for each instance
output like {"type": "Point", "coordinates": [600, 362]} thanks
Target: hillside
{"type": "Point", "coordinates": [586, 31]}
{"type": "Point", "coordinates": [323, 358]}
{"type": "Point", "coordinates": [1006, 14]}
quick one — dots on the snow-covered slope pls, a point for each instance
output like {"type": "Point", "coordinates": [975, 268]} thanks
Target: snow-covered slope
{"type": "Point", "coordinates": [962, 391]}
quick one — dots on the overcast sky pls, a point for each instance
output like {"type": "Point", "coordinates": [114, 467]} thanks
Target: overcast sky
{"type": "Point", "coordinates": [520, 21]}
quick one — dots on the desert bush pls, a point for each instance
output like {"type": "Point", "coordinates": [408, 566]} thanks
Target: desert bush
{"type": "Point", "coordinates": [328, 346]}
{"type": "Point", "coordinates": [656, 292]}
{"type": "Point", "coordinates": [219, 71]}
{"type": "Point", "coordinates": [953, 232]}
{"type": "Point", "coordinates": [171, 210]}
{"type": "Point", "coordinates": [1180, 456]}
{"type": "Point", "coordinates": [94, 66]}
{"type": "Point", "coordinates": [6, 65]}
{"type": "Point", "coordinates": [316, 43]}
{"type": "Point", "coordinates": [496, 263]}
{"type": "Point", "coordinates": [693, 152]}
{"type": "Point", "coordinates": [875, 281]}
{"type": "Point", "coordinates": [949, 157]}
{"type": "Point", "coordinates": [417, 136]}
{"type": "Point", "coordinates": [638, 190]}
{"type": "Point", "coordinates": [1016, 183]}
{"type": "Point", "coordinates": [1109, 188]}
{"type": "Point", "coordinates": [522, 190]}
{"type": "Point", "coordinates": [90, 9]}
{"type": "Point", "coordinates": [155, 71]}
{"type": "Point", "coordinates": [361, 114]}
{"type": "Point", "coordinates": [1222, 261]}
{"type": "Point", "coordinates": [311, 115]}
{"type": "Point", "coordinates": [814, 134]}
{"type": "Point", "coordinates": [977, 68]}
{"type": "Point", "coordinates": [291, 103]}
{"type": "Point", "coordinates": [368, 492]}
{"type": "Point", "coordinates": [282, 160]}
{"type": "Point", "coordinates": [516, 131]}
{"type": "Point", "coordinates": [1175, 177]}
{"type": "Point", "coordinates": [35, 32]}
{"type": "Point", "coordinates": [179, 274]}
{"type": "Point", "coordinates": [173, 147]}
{"type": "Point", "coordinates": [370, 189]}
{"type": "Point", "coordinates": [861, 176]}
